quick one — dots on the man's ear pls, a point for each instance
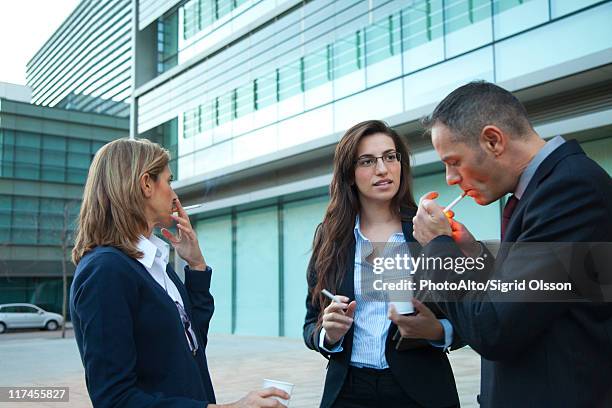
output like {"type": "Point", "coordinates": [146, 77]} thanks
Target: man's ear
{"type": "Point", "coordinates": [146, 185]}
{"type": "Point", "coordinates": [493, 140]}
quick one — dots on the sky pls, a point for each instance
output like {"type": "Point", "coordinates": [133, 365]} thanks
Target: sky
{"type": "Point", "coordinates": [25, 25]}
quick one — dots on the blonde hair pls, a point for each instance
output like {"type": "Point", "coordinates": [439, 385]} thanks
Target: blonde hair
{"type": "Point", "coordinates": [112, 211]}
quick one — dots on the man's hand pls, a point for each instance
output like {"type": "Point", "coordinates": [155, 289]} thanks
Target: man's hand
{"type": "Point", "coordinates": [429, 221]}
{"type": "Point", "coordinates": [338, 319]}
{"type": "Point", "coordinates": [185, 242]}
{"type": "Point", "coordinates": [423, 325]}
{"type": "Point", "coordinates": [464, 239]}
{"type": "Point", "coordinates": [258, 399]}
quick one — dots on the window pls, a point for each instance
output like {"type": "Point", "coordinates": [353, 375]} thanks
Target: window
{"type": "Point", "coordinates": [5, 218]}
{"type": "Point", "coordinates": [460, 13]}
{"type": "Point", "coordinates": [243, 100]}
{"type": "Point", "coordinates": [34, 220]}
{"type": "Point", "coordinates": [265, 91]}
{"type": "Point", "coordinates": [191, 15]}
{"type": "Point", "coordinates": [25, 220]}
{"type": "Point", "coordinates": [500, 6]}
{"type": "Point", "coordinates": [79, 159]}
{"type": "Point", "coordinates": [289, 80]}
{"type": "Point", "coordinates": [28, 309]}
{"type": "Point", "coordinates": [53, 158]}
{"type": "Point", "coordinates": [380, 43]}
{"type": "Point", "coordinates": [421, 22]}
{"type": "Point", "coordinates": [199, 14]}
{"type": "Point", "coordinates": [223, 105]}
{"type": "Point", "coordinates": [167, 42]}
{"type": "Point", "coordinates": [51, 223]}
{"type": "Point", "coordinates": [208, 116]}
{"type": "Point", "coordinates": [27, 155]}
{"type": "Point", "coordinates": [348, 54]}
{"type": "Point", "coordinates": [223, 7]}
{"type": "Point", "coordinates": [317, 68]}
{"type": "Point", "coordinates": [190, 122]}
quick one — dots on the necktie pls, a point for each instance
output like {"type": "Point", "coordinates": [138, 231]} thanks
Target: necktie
{"type": "Point", "coordinates": [508, 210]}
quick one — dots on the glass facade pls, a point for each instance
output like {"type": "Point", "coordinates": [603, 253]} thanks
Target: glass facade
{"type": "Point", "coordinates": [43, 292]}
{"type": "Point", "coordinates": [259, 256]}
{"type": "Point", "coordinates": [37, 156]}
{"type": "Point", "coordinates": [180, 30]}
{"type": "Point", "coordinates": [86, 63]}
{"type": "Point", "coordinates": [45, 154]}
{"type": "Point", "coordinates": [321, 64]}
{"type": "Point", "coordinates": [200, 14]}
{"type": "Point", "coordinates": [167, 136]}
{"type": "Point", "coordinates": [26, 220]}
{"type": "Point", "coordinates": [262, 89]}
{"type": "Point", "coordinates": [407, 28]}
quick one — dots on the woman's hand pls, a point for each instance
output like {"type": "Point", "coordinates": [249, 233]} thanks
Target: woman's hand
{"type": "Point", "coordinates": [423, 325]}
{"type": "Point", "coordinates": [185, 242]}
{"type": "Point", "coordinates": [338, 319]}
{"type": "Point", "coordinates": [258, 399]}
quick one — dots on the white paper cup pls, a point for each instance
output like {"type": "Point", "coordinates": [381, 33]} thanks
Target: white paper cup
{"type": "Point", "coordinates": [285, 386]}
{"type": "Point", "coordinates": [403, 307]}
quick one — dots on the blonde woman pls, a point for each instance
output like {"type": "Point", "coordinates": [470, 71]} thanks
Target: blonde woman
{"type": "Point", "coordinates": [140, 331]}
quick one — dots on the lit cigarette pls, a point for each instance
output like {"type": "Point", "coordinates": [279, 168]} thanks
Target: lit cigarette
{"type": "Point", "coordinates": [329, 295]}
{"type": "Point", "coordinates": [454, 203]}
{"type": "Point", "coordinates": [191, 207]}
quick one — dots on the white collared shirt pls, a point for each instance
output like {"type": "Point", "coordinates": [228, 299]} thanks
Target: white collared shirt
{"type": "Point", "coordinates": [155, 260]}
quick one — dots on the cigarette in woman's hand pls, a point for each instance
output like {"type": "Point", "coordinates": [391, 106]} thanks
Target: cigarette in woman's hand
{"type": "Point", "coordinates": [329, 295]}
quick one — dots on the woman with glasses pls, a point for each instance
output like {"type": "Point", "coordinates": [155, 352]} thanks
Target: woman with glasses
{"type": "Point", "coordinates": [140, 331]}
{"type": "Point", "coordinates": [371, 204]}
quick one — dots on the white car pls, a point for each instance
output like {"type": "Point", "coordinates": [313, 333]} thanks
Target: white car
{"type": "Point", "coordinates": [25, 315]}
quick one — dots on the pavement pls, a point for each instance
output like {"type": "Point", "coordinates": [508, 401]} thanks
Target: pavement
{"type": "Point", "coordinates": [238, 364]}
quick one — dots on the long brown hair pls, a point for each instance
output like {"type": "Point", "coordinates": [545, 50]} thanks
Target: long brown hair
{"type": "Point", "coordinates": [335, 235]}
{"type": "Point", "coordinates": [112, 212]}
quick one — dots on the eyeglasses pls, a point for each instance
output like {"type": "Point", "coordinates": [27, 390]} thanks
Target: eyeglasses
{"type": "Point", "coordinates": [193, 343]}
{"type": "Point", "coordinates": [370, 161]}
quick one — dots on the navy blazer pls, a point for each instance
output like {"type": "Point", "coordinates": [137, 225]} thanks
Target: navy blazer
{"type": "Point", "coordinates": [130, 335]}
{"type": "Point", "coordinates": [424, 373]}
{"type": "Point", "coordinates": [546, 354]}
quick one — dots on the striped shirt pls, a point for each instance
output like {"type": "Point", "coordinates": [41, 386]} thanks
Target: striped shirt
{"type": "Point", "coordinates": [371, 323]}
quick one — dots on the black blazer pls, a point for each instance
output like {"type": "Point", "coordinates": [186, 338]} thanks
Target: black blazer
{"type": "Point", "coordinates": [130, 335]}
{"type": "Point", "coordinates": [423, 373]}
{"type": "Point", "coordinates": [556, 354]}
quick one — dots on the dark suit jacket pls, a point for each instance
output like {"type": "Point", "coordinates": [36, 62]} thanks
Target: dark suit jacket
{"type": "Point", "coordinates": [423, 373]}
{"type": "Point", "coordinates": [536, 354]}
{"type": "Point", "coordinates": [130, 335]}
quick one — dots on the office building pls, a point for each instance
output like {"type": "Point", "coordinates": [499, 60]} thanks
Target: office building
{"type": "Point", "coordinates": [252, 96]}
{"type": "Point", "coordinates": [45, 154]}
{"type": "Point", "coordinates": [86, 64]}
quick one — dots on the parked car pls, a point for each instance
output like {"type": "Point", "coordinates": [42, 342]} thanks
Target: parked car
{"type": "Point", "coordinates": [25, 315]}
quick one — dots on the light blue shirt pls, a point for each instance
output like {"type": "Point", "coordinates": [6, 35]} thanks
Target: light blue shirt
{"type": "Point", "coordinates": [533, 165]}
{"type": "Point", "coordinates": [371, 323]}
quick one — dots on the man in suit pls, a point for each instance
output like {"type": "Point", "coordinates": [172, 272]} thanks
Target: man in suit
{"type": "Point", "coordinates": [534, 354]}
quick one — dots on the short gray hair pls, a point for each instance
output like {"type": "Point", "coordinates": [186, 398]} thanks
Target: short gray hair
{"type": "Point", "coordinates": [469, 108]}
